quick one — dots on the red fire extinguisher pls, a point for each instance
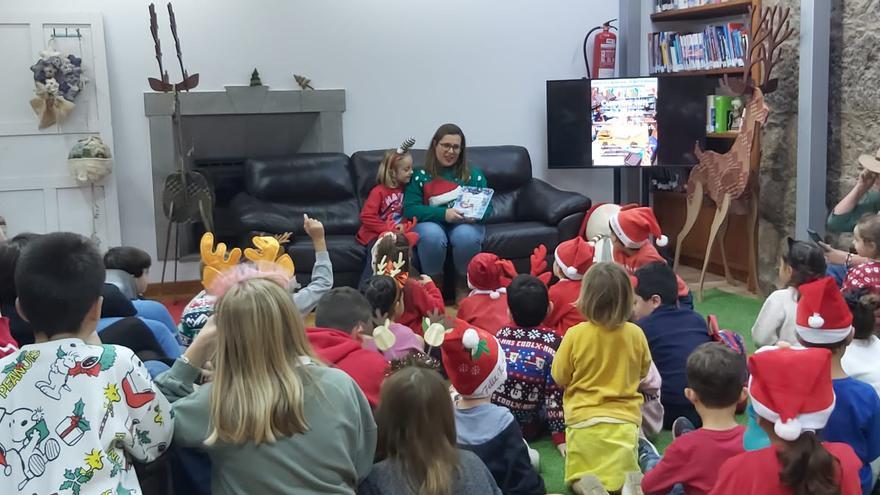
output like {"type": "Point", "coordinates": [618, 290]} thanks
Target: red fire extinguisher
{"type": "Point", "coordinates": [604, 51]}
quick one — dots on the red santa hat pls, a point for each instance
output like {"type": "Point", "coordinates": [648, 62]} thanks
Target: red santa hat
{"type": "Point", "coordinates": [441, 192]}
{"type": "Point", "coordinates": [792, 388]}
{"type": "Point", "coordinates": [823, 316]}
{"type": "Point", "coordinates": [575, 257]}
{"type": "Point", "coordinates": [474, 360]}
{"type": "Point", "coordinates": [636, 226]}
{"type": "Point", "coordinates": [489, 274]}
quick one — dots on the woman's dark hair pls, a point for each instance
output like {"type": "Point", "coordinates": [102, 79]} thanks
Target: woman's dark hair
{"type": "Point", "coordinates": [10, 251]}
{"type": "Point", "coordinates": [432, 165]}
{"type": "Point", "coordinates": [420, 436]}
{"type": "Point", "coordinates": [807, 468]}
{"type": "Point", "coordinates": [807, 262]}
{"type": "Point", "coordinates": [862, 304]}
{"type": "Point", "coordinates": [382, 292]}
{"type": "Point", "coordinates": [128, 259]}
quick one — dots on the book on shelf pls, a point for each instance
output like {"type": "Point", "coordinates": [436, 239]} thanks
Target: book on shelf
{"type": "Point", "coordinates": [716, 47]}
{"type": "Point", "coordinates": [664, 5]}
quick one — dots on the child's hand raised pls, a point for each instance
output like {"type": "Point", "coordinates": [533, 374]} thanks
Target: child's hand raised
{"type": "Point", "coordinates": [315, 230]}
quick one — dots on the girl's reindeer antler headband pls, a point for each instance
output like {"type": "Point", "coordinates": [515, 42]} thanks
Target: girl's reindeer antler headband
{"type": "Point", "coordinates": [401, 150]}
{"type": "Point", "coordinates": [222, 271]}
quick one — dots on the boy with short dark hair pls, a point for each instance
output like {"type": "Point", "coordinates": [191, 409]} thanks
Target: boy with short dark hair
{"type": "Point", "coordinates": [129, 267]}
{"type": "Point", "coordinates": [73, 410]}
{"type": "Point", "coordinates": [673, 333]}
{"type": "Point", "coordinates": [530, 348]}
{"type": "Point", "coordinates": [715, 375]}
{"type": "Point", "coordinates": [343, 315]}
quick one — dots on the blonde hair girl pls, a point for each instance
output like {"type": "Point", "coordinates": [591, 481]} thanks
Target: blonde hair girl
{"type": "Point", "coordinates": [600, 363]}
{"type": "Point", "coordinates": [271, 403]}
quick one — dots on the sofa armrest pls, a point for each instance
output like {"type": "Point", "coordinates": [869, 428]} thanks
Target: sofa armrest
{"type": "Point", "coordinates": [539, 201]}
{"type": "Point", "coordinates": [570, 225]}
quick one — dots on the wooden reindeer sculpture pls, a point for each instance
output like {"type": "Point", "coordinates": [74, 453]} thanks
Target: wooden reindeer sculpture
{"type": "Point", "coordinates": [728, 178]}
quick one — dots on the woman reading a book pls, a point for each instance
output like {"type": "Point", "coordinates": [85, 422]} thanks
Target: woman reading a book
{"type": "Point", "coordinates": [431, 197]}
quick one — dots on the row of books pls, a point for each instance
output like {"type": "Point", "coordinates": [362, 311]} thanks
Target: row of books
{"type": "Point", "coordinates": [717, 47]}
{"type": "Point", "coordinates": [664, 5]}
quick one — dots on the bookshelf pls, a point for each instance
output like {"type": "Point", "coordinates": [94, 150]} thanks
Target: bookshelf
{"type": "Point", "coordinates": [670, 207]}
{"type": "Point", "coordinates": [711, 11]}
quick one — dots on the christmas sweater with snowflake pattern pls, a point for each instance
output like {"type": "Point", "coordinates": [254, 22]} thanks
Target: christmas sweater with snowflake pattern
{"type": "Point", "coordinates": [530, 387]}
{"type": "Point", "coordinates": [71, 414]}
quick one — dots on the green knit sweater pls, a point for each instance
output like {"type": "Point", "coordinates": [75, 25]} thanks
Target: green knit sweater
{"type": "Point", "coordinates": [414, 195]}
{"type": "Point", "coordinates": [870, 203]}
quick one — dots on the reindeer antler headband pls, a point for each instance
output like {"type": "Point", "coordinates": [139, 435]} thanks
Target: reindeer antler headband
{"type": "Point", "coordinates": [401, 150]}
{"type": "Point", "coordinates": [267, 257]}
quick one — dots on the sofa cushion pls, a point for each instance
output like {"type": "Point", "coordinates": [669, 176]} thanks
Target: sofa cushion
{"type": "Point", "coordinates": [518, 240]}
{"type": "Point", "coordinates": [300, 179]}
{"type": "Point", "coordinates": [346, 255]}
{"type": "Point", "coordinates": [253, 214]}
{"type": "Point", "coordinates": [507, 168]}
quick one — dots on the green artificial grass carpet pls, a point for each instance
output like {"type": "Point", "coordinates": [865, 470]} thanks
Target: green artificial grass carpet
{"type": "Point", "coordinates": [734, 312]}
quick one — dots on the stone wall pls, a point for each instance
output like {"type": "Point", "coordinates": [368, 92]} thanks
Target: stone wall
{"type": "Point", "coordinates": [853, 129]}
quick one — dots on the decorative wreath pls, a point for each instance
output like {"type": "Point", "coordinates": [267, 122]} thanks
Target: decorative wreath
{"type": "Point", "coordinates": [58, 79]}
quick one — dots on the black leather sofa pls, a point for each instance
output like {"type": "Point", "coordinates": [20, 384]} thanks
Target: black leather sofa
{"type": "Point", "coordinates": [332, 188]}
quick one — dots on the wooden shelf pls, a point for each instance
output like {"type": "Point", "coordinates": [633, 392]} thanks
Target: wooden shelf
{"type": "Point", "coordinates": [722, 135]}
{"type": "Point", "coordinates": [710, 72]}
{"type": "Point", "coordinates": [731, 7]}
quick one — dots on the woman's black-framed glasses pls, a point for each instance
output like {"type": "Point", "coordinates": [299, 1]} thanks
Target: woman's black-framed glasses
{"type": "Point", "coordinates": [450, 147]}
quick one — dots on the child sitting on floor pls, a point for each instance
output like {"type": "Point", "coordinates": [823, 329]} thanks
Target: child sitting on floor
{"type": "Point", "coordinates": [486, 306]}
{"type": "Point", "coordinates": [715, 375]}
{"type": "Point", "coordinates": [792, 394]}
{"type": "Point", "coordinates": [866, 241]}
{"type": "Point", "coordinates": [342, 320]}
{"type": "Point", "coordinates": [421, 298]}
{"type": "Point", "coordinates": [572, 260]}
{"type": "Point", "coordinates": [476, 366]}
{"type": "Point", "coordinates": [383, 208]}
{"type": "Point", "coordinates": [600, 364]}
{"type": "Point", "coordinates": [824, 320]}
{"type": "Point", "coordinates": [862, 355]}
{"type": "Point", "coordinates": [803, 263]}
{"type": "Point", "coordinates": [201, 307]}
{"type": "Point", "coordinates": [386, 299]}
{"type": "Point", "coordinates": [672, 332]}
{"type": "Point", "coordinates": [74, 411]}
{"type": "Point", "coordinates": [633, 230]}
{"type": "Point", "coordinates": [530, 392]}
{"type": "Point", "coordinates": [417, 450]}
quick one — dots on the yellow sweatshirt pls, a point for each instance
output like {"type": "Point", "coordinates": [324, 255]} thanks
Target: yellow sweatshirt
{"type": "Point", "coordinates": [600, 370]}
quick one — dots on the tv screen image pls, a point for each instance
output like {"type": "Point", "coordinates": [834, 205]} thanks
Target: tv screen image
{"type": "Point", "coordinates": [624, 121]}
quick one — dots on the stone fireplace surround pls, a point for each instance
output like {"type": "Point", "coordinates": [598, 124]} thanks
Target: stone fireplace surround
{"type": "Point", "coordinates": [223, 128]}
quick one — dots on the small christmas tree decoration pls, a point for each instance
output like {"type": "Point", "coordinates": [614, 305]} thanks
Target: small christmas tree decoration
{"type": "Point", "coordinates": [303, 81]}
{"type": "Point", "coordinates": [255, 78]}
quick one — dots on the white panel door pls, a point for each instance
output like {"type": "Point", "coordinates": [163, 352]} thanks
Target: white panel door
{"type": "Point", "coordinates": [37, 193]}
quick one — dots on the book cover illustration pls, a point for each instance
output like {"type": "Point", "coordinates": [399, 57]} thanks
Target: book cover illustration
{"type": "Point", "coordinates": [473, 201]}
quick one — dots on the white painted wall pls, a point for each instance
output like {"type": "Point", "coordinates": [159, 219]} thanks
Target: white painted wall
{"type": "Point", "coordinates": [407, 66]}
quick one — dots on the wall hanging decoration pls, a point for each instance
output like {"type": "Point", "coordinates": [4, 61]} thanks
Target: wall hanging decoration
{"type": "Point", "coordinates": [90, 161]}
{"type": "Point", "coordinates": [58, 79]}
{"type": "Point", "coordinates": [303, 81]}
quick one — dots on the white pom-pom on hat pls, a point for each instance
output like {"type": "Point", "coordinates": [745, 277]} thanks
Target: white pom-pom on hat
{"type": "Point", "coordinates": [788, 430]}
{"type": "Point", "coordinates": [470, 339]}
{"type": "Point", "coordinates": [816, 321]}
{"type": "Point", "coordinates": [662, 240]}
{"type": "Point", "coordinates": [494, 294]}
{"type": "Point", "coordinates": [571, 271]}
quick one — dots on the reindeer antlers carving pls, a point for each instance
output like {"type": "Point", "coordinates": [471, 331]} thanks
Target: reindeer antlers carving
{"type": "Point", "coordinates": [770, 28]}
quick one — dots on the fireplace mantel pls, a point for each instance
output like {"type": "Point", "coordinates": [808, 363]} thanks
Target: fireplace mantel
{"type": "Point", "coordinates": [250, 121]}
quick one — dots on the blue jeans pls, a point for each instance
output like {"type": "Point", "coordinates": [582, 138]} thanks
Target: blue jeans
{"type": "Point", "coordinates": [434, 238]}
{"type": "Point", "coordinates": [154, 310]}
{"type": "Point", "coordinates": [838, 272]}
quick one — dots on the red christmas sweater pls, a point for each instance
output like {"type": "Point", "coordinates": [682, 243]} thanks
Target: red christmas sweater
{"type": "Point", "coordinates": [757, 472]}
{"type": "Point", "coordinates": [383, 210]}
{"type": "Point", "coordinates": [8, 345]}
{"type": "Point", "coordinates": [646, 254]}
{"type": "Point", "coordinates": [484, 312]}
{"type": "Point", "coordinates": [341, 350]}
{"type": "Point", "coordinates": [420, 301]}
{"type": "Point", "coordinates": [563, 295]}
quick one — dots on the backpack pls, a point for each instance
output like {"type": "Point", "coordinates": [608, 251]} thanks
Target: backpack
{"type": "Point", "coordinates": [727, 337]}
